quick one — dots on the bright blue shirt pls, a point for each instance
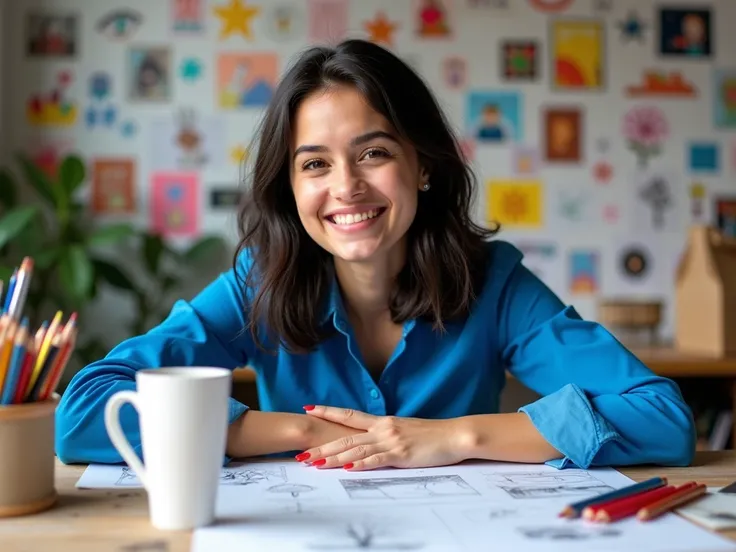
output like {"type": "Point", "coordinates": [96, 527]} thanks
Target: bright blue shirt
{"type": "Point", "coordinates": [599, 404]}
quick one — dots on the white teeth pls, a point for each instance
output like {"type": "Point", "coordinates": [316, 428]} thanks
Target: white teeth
{"type": "Point", "coordinates": [353, 218]}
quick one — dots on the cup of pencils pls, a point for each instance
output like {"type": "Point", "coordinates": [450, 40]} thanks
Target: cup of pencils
{"type": "Point", "coordinates": [32, 362]}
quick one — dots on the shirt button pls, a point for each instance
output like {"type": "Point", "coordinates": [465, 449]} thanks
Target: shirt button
{"type": "Point", "coordinates": [374, 394]}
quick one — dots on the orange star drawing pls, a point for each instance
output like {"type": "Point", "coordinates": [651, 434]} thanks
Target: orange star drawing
{"type": "Point", "coordinates": [381, 29]}
{"type": "Point", "coordinates": [236, 18]}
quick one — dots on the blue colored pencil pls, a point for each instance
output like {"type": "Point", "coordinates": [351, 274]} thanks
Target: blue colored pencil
{"type": "Point", "coordinates": [575, 510]}
{"type": "Point", "coordinates": [11, 290]}
{"type": "Point", "coordinates": [16, 363]}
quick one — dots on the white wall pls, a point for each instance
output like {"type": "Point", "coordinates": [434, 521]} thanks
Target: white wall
{"type": "Point", "coordinates": [477, 37]}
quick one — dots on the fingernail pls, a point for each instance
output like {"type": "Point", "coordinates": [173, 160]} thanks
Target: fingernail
{"type": "Point", "coordinates": [348, 465]}
{"type": "Point", "coordinates": [301, 457]}
{"type": "Point", "coordinates": [308, 407]}
{"type": "Point", "coordinates": [320, 462]}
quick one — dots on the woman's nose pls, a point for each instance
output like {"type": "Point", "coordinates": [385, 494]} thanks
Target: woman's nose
{"type": "Point", "coordinates": [346, 184]}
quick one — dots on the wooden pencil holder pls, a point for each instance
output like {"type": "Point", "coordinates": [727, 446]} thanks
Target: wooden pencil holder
{"type": "Point", "coordinates": [27, 457]}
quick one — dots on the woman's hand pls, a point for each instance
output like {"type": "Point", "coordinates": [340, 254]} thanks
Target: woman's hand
{"type": "Point", "coordinates": [385, 441]}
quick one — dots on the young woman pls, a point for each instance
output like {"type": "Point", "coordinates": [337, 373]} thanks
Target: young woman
{"type": "Point", "coordinates": [380, 319]}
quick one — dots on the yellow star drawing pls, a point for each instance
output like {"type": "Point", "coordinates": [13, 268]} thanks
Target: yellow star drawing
{"type": "Point", "coordinates": [236, 18]}
{"type": "Point", "coordinates": [381, 29]}
{"type": "Point", "coordinates": [238, 154]}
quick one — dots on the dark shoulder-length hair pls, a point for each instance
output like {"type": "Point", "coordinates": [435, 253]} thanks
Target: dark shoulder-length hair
{"type": "Point", "coordinates": [291, 275]}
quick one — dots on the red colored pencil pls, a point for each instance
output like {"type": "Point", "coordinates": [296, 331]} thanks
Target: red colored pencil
{"type": "Point", "coordinates": [685, 493]}
{"type": "Point", "coordinates": [25, 374]}
{"type": "Point", "coordinates": [591, 511]}
{"type": "Point", "coordinates": [630, 506]}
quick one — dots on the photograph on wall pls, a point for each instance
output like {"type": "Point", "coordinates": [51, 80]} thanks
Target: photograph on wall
{"type": "Point", "coordinates": [515, 203]}
{"type": "Point", "coordinates": [113, 186]}
{"type": "Point", "coordinates": [519, 60]}
{"type": "Point", "coordinates": [685, 32]}
{"type": "Point", "coordinates": [175, 203]}
{"type": "Point", "coordinates": [52, 35]}
{"type": "Point", "coordinates": [433, 18]}
{"type": "Point", "coordinates": [725, 210]}
{"type": "Point", "coordinates": [724, 98]}
{"type": "Point", "coordinates": [563, 134]}
{"type": "Point", "coordinates": [188, 140]}
{"type": "Point", "coordinates": [327, 20]}
{"type": "Point", "coordinates": [149, 74]}
{"type": "Point", "coordinates": [187, 16]}
{"type": "Point", "coordinates": [494, 117]}
{"type": "Point", "coordinates": [584, 272]}
{"type": "Point", "coordinates": [577, 51]}
{"type": "Point", "coordinates": [246, 80]}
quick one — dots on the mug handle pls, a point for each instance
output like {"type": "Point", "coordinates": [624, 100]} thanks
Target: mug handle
{"type": "Point", "coordinates": [115, 431]}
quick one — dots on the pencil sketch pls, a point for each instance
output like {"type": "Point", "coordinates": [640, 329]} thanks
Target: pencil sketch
{"type": "Point", "coordinates": [292, 489]}
{"type": "Point", "coordinates": [367, 536]}
{"type": "Point", "coordinates": [229, 476]}
{"type": "Point", "coordinates": [569, 532]}
{"type": "Point", "coordinates": [481, 515]}
{"type": "Point", "coordinates": [558, 484]}
{"type": "Point", "coordinates": [426, 486]}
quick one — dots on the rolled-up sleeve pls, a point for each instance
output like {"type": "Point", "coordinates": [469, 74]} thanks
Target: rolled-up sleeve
{"type": "Point", "coordinates": [600, 405]}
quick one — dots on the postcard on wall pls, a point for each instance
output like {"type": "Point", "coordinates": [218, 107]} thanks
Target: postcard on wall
{"type": "Point", "coordinates": [246, 80]}
{"type": "Point", "coordinates": [433, 18]}
{"type": "Point", "coordinates": [724, 100]}
{"type": "Point", "coordinates": [113, 186]}
{"type": "Point", "coordinates": [149, 74]}
{"type": "Point", "coordinates": [515, 203]}
{"type": "Point", "coordinates": [685, 32]}
{"type": "Point", "coordinates": [578, 54]}
{"type": "Point", "coordinates": [584, 272]}
{"type": "Point", "coordinates": [175, 203]}
{"type": "Point", "coordinates": [494, 117]}
{"type": "Point", "coordinates": [188, 140]}
{"type": "Point", "coordinates": [328, 20]}
{"type": "Point", "coordinates": [563, 134]}
{"type": "Point", "coordinates": [187, 16]}
{"type": "Point", "coordinates": [52, 35]}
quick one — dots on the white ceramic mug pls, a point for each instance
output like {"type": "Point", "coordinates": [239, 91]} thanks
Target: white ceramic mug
{"type": "Point", "coordinates": [183, 423]}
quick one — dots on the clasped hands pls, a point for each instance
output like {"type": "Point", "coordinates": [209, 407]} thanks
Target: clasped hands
{"type": "Point", "coordinates": [385, 441]}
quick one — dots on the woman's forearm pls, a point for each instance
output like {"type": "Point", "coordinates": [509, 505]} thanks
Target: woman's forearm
{"type": "Point", "coordinates": [258, 433]}
{"type": "Point", "coordinates": [503, 437]}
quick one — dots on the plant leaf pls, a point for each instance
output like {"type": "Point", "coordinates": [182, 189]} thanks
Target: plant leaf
{"type": "Point", "coordinates": [5, 273]}
{"type": "Point", "coordinates": [204, 249]}
{"type": "Point", "coordinates": [113, 275]}
{"type": "Point", "coordinates": [109, 235]}
{"type": "Point", "coordinates": [76, 272]}
{"type": "Point", "coordinates": [14, 222]}
{"type": "Point", "coordinates": [71, 174]}
{"type": "Point", "coordinates": [46, 257]}
{"type": "Point", "coordinates": [8, 191]}
{"type": "Point", "coordinates": [39, 180]}
{"type": "Point", "coordinates": [153, 247]}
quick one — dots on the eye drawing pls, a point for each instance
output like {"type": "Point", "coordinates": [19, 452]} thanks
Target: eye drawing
{"type": "Point", "coordinates": [120, 23]}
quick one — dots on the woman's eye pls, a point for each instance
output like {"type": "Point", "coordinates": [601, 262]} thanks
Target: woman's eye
{"type": "Point", "coordinates": [372, 153]}
{"type": "Point", "coordinates": [313, 164]}
{"type": "Point", "coordinates": [119, 24]}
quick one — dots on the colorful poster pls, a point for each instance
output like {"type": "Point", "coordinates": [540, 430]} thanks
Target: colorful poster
{"type": "Point", "coordinates": [188, 141]}
{"type": "Point", "coordinates": [584, 272]}
{"type": "Point", "coordinates": [432, 18]}
{"type": "Point", "coordinates": [578, 54]}
{"type": "Point", "coordinates": [494, 117]}
{"type": "Point", "coordinates": [55, 107]}
{"type": "Point", "coordinates": [515, 203]}
{"type": "Point", "coordinates": [563, 134]}
{"type": "Point", "coordinates": [724, 100]}
{"type": "Point", "coordinates": [187, 16]}
{"type": "Point", "coordinates": [328, 20]}
{"type": "Point", "coordinates": [246, 80]}
{"type": "Point", "coordinates": [175, 203]}
{"type": "Point", "coordinates": [149, 74]}
{"type": "Point", "coordinates": [52, 35]}
{"type": "Point", "coordinates": [685, 32]}
{"type": "Point", "coordinates": [113, 186]}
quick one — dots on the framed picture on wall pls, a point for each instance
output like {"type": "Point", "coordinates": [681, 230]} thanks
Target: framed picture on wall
{"type": "Point", "coordinates": [519, 60]}
{"type": "Point", "coordinates": [685, 32]}
{"type": "Point", "coordinates": [563, 134]}
{"type": "Point", "coordinates": [52, 35]}
{"type": "Point", "coordinates": [149, 73]}
{"type": "Point", "coordinates": [577, 54]}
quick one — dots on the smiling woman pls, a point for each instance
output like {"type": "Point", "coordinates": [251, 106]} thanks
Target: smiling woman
{"type": "Point", "coordinates": [364, 295]}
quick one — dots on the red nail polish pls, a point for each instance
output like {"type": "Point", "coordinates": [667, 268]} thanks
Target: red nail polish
{"type": "Point", "coordinates": [348, 465]}
{"type": "Point", "coordinates": [301, 457]}
{"type": "Point", "coordinates": [308, 407]}
{"type": "Point", "coordinates": [320, 462]}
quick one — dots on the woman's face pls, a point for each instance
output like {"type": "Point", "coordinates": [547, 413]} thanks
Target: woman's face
{"type": "Point", "coordinates": [354, 181]}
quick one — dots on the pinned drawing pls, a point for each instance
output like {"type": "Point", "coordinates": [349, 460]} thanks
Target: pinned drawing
{"type": "Point", "coordinates": [246, 79]}
{"type": "Point", "coordinates": [236, 18]}
{"type": "Point", "coordinates": [284, 21]}
{"type": "Point", "coordinates": [113, 186]}
{"type": "Point", "coordinates": [494, 117]}
{"type": "Point", "coordinates": [175, 203]}
{"type": "Point", "coordinates": [632, 28]}
{"type": "Point", "coordinates": [563, 134]}
{"type": "Point", "coordinates": [328, 20]}
{"type": "Point", "coordinates": [52, 35]}
{"type": "Point", "coordinates": [584, 279]}
{"type": "Point", "coordinates": [559, 484]}
{"type": "Point", "coordinates": [578, 54]}
{"type": "Point", "coordinates": [724, 100]}
{"type": "Point", "coordinates": [401, 488]}
{"type": "Point", "coordinates": [655, 191]}
{"type": "Point", "coordinates": [670, 84]}
{"type": "Point", "coordinates": [55, 107]}
{"type": "Point", "coordinates": [550, 6]}
{"type": "Point", "coordinates": [519, 59]}
{"type": "Point", "coordinates": [366, 535]}
{"type": "Point", "coordinates": [188, 16]}
{"type": "Point", "coordinates": [119, 24]}
{"type": "Point", "coordinates": [725, 211]}
{"type": "Point", "coordinates": [572, 206]}
{"type": "Point", "coordinates": [685, 32]}
{"type": "Point", "coordinates": [645, 129]}
{"type": "Point", "coordinates": [100, 113]}
{"type": "Point", "coordinates": [149, 74]}
{"type": "Point", "coordinates": [381, 29]}
{"type": "Point", "coordinates": [515, 203]}
{"type": "Point", "coordinates": [432, 18]}
{"type": "Point", "coordinates": [188, 141]}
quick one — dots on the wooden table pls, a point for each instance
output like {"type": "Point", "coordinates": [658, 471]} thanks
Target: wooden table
{"type": "Point", "coordinates": [97, 520]}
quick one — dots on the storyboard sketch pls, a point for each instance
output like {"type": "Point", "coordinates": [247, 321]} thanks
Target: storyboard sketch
{"type": "Point", "coordinates": [289, 506]}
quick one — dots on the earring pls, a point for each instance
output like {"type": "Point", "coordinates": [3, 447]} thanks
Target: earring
{"type": "Point", "coordinates": [426, 186]}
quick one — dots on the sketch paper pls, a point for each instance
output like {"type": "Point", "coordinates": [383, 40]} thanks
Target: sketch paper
{"type": "Point", "coordinates": [716, 511]}
{"type": "Point", "coordinates": [287, 506]}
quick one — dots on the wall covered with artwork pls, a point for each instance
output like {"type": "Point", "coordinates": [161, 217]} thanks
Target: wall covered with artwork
{"type": "Point", "coordinates": [598, 129]}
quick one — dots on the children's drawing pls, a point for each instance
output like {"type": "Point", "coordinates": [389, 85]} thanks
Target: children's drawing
{"type": "Point", "coordinates": [119, 24]}
{"type": "Point", "coordinates": [563, 134]}
{"type": "Point", "coordinates": [175, 203]}
{"type": "Point", "coordinates": [645, 129]}
{"type": "Point", "coordinates": [367, 536]}
{"type": "Point", "coordinates": [188, 141]}
{"type": "Point", "coordinates": [565, 483]}
{"type": "Point", "coordinates": [632, 28]}
{"type": "Point", "coordinates": [519, 59]}
{"type": "Point", "coordinates": [704, 157]}
{"type": "Point", "coordinates": [724, 100]}
{"type": "Point", "coordinates": [246, 80]}
{"type": "Point", "coordinates": [584, 279]}
{"type": "Point", "coordinates": [655, 191]}
{"type": "Point", "coordinates": [113, 186]}
{"type": "Point", "coordinates": [284, 21]}
{"type": "Point", "coordinates": [494, 117]}
{"type": "Point", "coordinates": [236, 18]}
{"type": "Point", "coordinates": [54, 108]}
{"type": "Point", "coordinates": [685, 32]}
{"type": "Point", "coordinates": [187, 16]}
{"type": "Point", "coordinates": [328, 20]}
{"type": "Point", "coordinates": [149, 74]}
{"type": "Point", "coordinates": [400, 488]}
{"type": "Point", "coordinates": [578, 54]}
{"type": "Point", "coordinates": [567, 532]}
{"type": "Point", "coordinates": [381, 29]}
{"type": "Point", "coordinates": [432, 18]}
{"type": "Point", "coordinates": [670, 84]}
{"type": "Point", "coordinates": [52, 35]}
{"type": "Point", "coordinates": [515, 203]}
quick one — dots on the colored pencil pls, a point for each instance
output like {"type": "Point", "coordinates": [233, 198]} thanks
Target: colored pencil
{"type": "Point", "coordinates": [631, 505]}
{"type": "Point", "coordinates": [67, 342]}
{"type": "Point", "coordinates": [25, 375]}
{"type": "Point", "coordinates": [16, 364]}
{"type": "Point", "coordinates": [44, 348]}
{"type": "Point", "coordinates": [34, 393]}
{"type": "Point", "coordinates": [684, 494]}
{"type": "Point", "coordinates": [7, 342]}
{"type": "Point", "coordinates": [11, 290]}
{"type": "Point", "coordinates": [575, 510]}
